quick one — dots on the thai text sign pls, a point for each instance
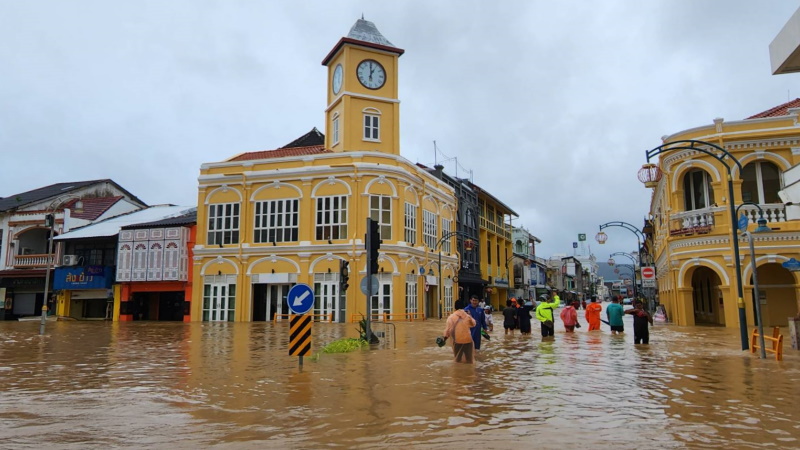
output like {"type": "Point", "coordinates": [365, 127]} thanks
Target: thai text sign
{"type": "Point", "coordinates": [89, 277]}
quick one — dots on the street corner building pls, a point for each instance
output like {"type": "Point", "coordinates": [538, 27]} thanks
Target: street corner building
{"type": "Point", "coordinates": [270, 219]}
{"type": "Point", "coordinates": [691, 219]}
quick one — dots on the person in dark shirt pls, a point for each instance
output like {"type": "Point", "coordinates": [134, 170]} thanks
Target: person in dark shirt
{"type": "Point", "coordinates": [509, 317]}
{"type": "Point", "coordinates": [524, 317]}
{"type": "Point", "coordinates": [641, 322]}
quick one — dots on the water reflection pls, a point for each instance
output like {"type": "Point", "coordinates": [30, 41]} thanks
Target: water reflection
{"type": "Point", "coordinates": [97, 384]}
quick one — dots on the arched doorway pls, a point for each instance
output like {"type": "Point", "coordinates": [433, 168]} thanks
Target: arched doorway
{"type": "Point", "coordinates": [707, 297]}
{"type": "Point", "coordinates": [776, 288]}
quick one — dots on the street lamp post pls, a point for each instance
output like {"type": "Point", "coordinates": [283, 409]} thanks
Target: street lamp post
{"type": "Point", "coordinates": [761, 228]}
{"type": "Point", "coordinates": [50, 221]}
{"type": "Point", "coordinates": [508, 277]}
{"type": "Point", "coordinates": [468, 245]}
{"type": "Point", "coordinates": [601, 238]}
{"type": "Point", "coordinates": [650, 174]}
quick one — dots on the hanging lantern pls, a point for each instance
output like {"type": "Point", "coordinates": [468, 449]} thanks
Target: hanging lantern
{"type": "Point", "coordinates": [601, 237]}
{"type": "Point", "coordinates": [650, 175]}
{"type": "Point", "coordinates": [611, 261]}
{"type": "Point", "coordinates": [469, 244]}
{"type": "Point", "coordinates": [616, 270]}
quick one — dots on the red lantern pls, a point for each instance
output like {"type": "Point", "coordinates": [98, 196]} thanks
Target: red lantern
{"type": "Point", "coordinates": [601, 237]}
{"type": "Point", "coordinates": [650, 175]}
{"type": "Point", "coordinates": [611, 261]}
{"type": "Point", "coordinates": [469, 244]}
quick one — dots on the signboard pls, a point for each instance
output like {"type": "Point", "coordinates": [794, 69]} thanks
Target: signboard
{"type": "Point", "coordinates": [300, 298]}
{"type": "Point", "coordinates": [374, 285]}
{"type": "Point", "coordinates": [649, 283]}
{"type": "Point", "coordinates": [742, 224]}
{"type": "Point", "coordinates": [88, 277]}
{"type": "Point", "coordinates": [574, 245]}
{"type": "Point", "coordinates": [582, 237]}
{"type": "Point", "coordinates": [648, 273]}
{"type": "Point", "coordinates": [792, 265]}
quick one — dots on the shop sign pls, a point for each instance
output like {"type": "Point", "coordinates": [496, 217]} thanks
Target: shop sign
{"type": "Point", "coordinates": [89, 277]}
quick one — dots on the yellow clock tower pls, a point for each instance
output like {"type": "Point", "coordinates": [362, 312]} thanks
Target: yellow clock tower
{"type": "Point", "coordinates": [363, 112]}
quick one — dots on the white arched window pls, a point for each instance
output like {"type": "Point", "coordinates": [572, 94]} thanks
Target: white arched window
{"type": "Point", "coordinates": [761, 182]}
{"type": "Point", "coordinates": [697, 190]}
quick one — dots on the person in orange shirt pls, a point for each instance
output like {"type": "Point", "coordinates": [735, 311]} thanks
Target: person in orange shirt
{"type": "Point", "coordinates": [458, 327]}
{"type": "Point", "coordinates": [592, 315]}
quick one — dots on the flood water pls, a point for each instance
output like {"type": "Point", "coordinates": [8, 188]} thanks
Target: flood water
{"type": "Point", "coordinates": [233, 385]}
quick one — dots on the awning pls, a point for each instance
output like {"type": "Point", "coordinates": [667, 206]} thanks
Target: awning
{"type": "Point", "coordinates": [468, 278]}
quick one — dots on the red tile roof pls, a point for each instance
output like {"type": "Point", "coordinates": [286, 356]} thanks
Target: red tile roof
{"type": "Point", "coordinates": [281, 153]}
{"type": "Point", "coordinates": [780, 110]}
{"type": "Point", "coordinates": [93, 207]}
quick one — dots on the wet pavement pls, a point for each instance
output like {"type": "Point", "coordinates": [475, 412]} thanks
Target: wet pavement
{"type": "Point", "coordinates": [233, 385]}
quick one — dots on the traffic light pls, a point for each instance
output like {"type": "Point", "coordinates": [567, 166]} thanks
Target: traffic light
{"type": "Point", "coordinates": [373, 245]}
{"type": "Point", "coordinates": [344, 275]}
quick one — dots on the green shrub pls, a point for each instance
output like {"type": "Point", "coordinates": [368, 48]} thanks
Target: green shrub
{"type": "Point", "coordinates": [344, 345]}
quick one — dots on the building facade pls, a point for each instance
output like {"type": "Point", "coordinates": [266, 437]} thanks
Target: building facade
{"type": "Point", "coordinates": [692, 245]}
{"type": "Point", "coordinates": [270, 219]}
{"type": "Point", "coordinates": [29, 258]}
{"type": "Point", "coordinates": [152, 269]}
{"type": "Point", "coordinates": [497, 251]}
{"type": "Point", "coordinates": [108, 265]}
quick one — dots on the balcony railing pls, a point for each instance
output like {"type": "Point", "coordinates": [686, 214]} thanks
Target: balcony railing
{"type": "Point", "coordinates": [702, 221]}
{"type": "Point", "coordinates": [33, 261]}
{"type": "Point", "coordinates": [686, 223]}
{"type": "Point", "coordinates": [773, 212]}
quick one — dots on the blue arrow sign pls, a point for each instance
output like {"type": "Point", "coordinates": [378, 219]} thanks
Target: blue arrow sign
{"type": "Point", "coordinates": [300, 298]}
{"type": "Point", "coordinates": [743, 221]}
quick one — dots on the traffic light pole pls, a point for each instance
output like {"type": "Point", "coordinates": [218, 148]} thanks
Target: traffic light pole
{"type": "Point", "coordinates": [373, 243]}
{"type": "Point", "coordinates": [344, 277]}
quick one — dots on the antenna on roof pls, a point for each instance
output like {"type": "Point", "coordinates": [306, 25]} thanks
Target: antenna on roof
{"type": "Point", "coordinates": [362, 16]}
{"type": "Point", "coordinates": [435, 154]}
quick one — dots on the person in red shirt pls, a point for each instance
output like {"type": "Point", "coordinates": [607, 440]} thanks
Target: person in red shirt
{"type": "Point", "coordinates": [592, 315]}
{"type": "Point", "coordinates": [570, 317]}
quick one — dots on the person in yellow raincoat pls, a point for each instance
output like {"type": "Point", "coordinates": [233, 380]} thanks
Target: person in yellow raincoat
{"type": "Point", "coordinates": [544, 314]}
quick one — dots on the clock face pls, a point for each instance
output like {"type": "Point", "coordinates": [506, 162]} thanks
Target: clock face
{"type": "Point", "coordinates": [371, 74]}
{"type": "Point", "coordinates": [337, 79]}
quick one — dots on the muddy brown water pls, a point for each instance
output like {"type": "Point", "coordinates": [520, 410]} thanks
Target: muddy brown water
{"type": "Point", "coordinates": [233, 385]}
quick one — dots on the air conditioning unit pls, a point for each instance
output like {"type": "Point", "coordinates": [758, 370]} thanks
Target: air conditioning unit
{"type": "Point", "coordinates": [69, 260]}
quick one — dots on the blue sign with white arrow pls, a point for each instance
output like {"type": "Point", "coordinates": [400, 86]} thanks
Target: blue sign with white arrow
{"type": "Point", "coordinates": [300, 298]}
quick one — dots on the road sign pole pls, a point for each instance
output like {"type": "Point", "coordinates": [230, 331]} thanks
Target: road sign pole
{"type": "Point", "coordinates": [301, 300]}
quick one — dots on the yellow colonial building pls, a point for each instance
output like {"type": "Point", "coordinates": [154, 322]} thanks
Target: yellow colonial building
{"type": "Point", "coordinates": [270, 219]}
{"type": "Point", "coordinates": [496, 248]}
{"type": "Point", "coordinates": [691, 216]}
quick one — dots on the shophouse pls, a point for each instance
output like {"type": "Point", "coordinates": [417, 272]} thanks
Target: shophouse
{"type": "Point", "coordinates": [297, 214]}
{"type": "Point", "coordinates": [151, 260]}
{"type": "Point", "coordinates": [28, 255]}
{"type": "Point", "coordinates": [470, 279]}
{"type": "Point", "coordinates": [496, 249]}
{"type": "Point", "coordinates": [524, 267]}
{"type": "Point", "coordinates": [153, 269]}
{"type": "Point", "coordinates": [691, 212]}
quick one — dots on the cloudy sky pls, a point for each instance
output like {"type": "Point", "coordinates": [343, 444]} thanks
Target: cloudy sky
{"type": "Point", "coordinates": [549, 104]}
